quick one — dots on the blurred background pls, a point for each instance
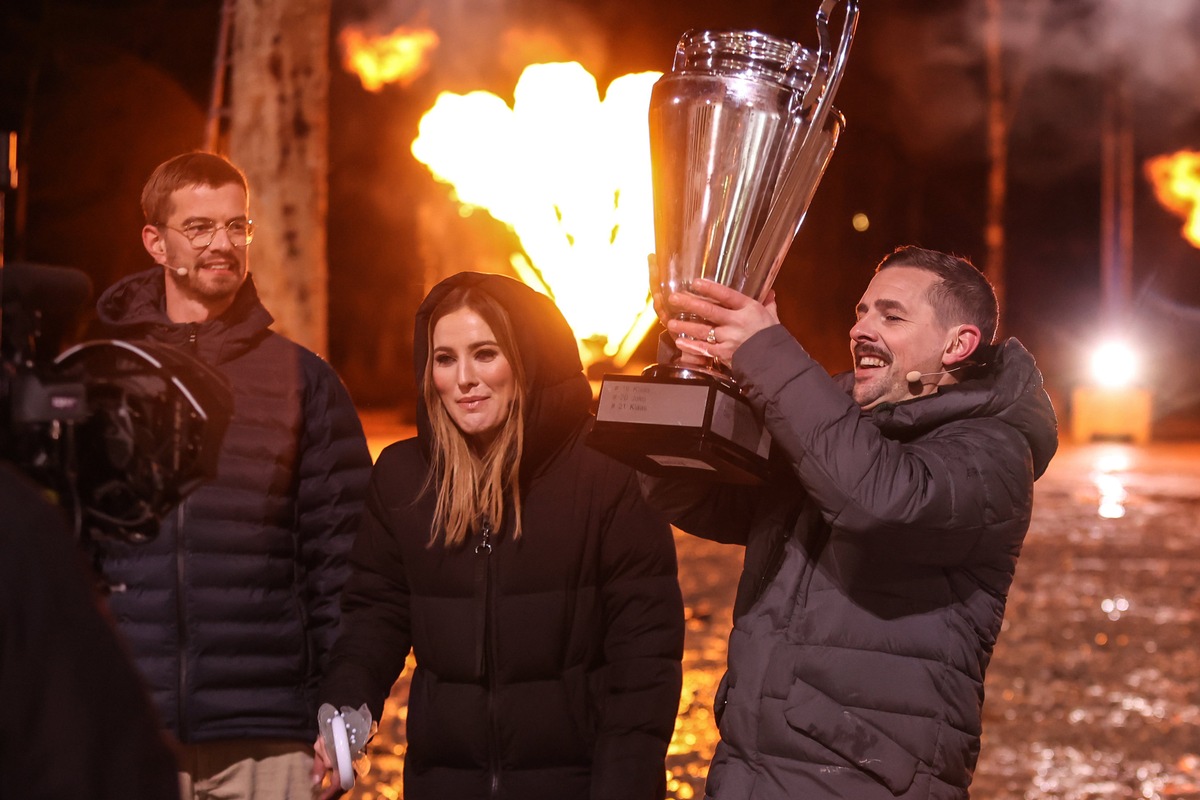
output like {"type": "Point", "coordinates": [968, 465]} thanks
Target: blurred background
{"type": "Point", "coordinates": [1022, 135]}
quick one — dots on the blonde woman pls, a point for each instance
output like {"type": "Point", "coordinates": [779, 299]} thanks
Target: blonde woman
{"type": "Point", "coordinates": [536, 590]}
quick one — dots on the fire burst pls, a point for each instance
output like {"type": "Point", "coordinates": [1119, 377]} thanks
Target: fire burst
{"type": "Point", "coordinates": [1176, 179]}
{"type": "Point", "coordinates": [399, 57]}
{"type": "Point", "coordinates": [570, 174]}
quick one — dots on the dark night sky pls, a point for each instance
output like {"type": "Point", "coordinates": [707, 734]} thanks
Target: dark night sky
{"type": "Point", "coordinates": [103, 92]}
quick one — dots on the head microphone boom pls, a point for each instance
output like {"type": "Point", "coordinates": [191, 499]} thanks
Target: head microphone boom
{"type": "Point", "coordinates": [915, 377]}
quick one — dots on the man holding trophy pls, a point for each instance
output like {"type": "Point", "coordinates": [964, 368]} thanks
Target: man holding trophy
{"type": "Point", "coordinates": [880, 550]}
{"type": "Point", "coordinates": [882, 510]}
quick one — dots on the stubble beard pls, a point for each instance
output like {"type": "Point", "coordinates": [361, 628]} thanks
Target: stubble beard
{"type": "Point", "coordinates": [208, 286]}
{"type": "Point", "coordinates": [865, 394]}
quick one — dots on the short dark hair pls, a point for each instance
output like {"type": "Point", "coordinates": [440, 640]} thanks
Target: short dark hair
{"type": "Point", "coordinates": [962, 295]}
{"type": "Point", "coordinates": [189, 169]}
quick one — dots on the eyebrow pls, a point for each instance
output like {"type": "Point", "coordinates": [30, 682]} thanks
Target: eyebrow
{"type": "Point", "coordinates": [471, 346]}
{"type": "Point", "coordinates": [238, 218]}
{"type": "Point", "coordinates": [882, 305]}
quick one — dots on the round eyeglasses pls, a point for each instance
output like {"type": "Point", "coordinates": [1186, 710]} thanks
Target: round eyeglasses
{"type": "Point", "coordinates": [202, 232]}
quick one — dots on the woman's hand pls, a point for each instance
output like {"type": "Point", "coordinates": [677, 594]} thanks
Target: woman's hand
{"type": "Point", "coordinates": [322, 770]}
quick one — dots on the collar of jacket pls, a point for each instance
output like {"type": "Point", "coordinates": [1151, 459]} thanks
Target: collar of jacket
{"type": "Point", "coordinates": [135, 308]}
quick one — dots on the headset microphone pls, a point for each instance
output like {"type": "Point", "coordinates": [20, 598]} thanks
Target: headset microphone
{"type": "Point", "coordinates": [181, 271]}
{"type": "Point", "coordinates": [915, 377]}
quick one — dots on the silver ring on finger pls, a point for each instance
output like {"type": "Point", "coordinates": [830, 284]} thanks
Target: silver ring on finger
{"type": "Point", "coordinates": [712, 336]}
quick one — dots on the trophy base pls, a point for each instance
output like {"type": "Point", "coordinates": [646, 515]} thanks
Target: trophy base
{"type": "Point", "coordinates": [699, 426]}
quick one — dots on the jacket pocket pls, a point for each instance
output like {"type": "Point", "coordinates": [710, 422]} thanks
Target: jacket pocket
{"type": "Point", "coordinates": [838, 729]}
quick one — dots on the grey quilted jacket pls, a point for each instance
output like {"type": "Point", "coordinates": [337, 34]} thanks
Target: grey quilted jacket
{"type": "Point", "coordinates": [878, 561]}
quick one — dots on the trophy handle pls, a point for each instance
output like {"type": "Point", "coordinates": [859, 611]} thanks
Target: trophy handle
{"type": "Point", "coordinates": [830, 65]}
{"type": "Point", "coordinates": [819, 135]}
{"type": "Point", "coordinates": [834, 77]}
{"type": "Point", "coordinates": [812, 95]}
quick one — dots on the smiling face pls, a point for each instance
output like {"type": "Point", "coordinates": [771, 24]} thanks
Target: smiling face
{"type": "Point", "coordinates": [898, 332]}
{"type": "Point", "coordinates": [471, 375]}
{"type": "Point", "coordinates": [201, 282]}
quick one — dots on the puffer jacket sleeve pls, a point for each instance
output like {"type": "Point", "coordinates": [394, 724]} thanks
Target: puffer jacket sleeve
{"type": "Point", "coordinates": [376, 633]}
{"type": "Point", "coordinates": [334, 466]}
{"type": "Point", "coordinates": [931, 501]}
{"type": "Point", "coordinates": [643, 647]}
{"type": "Point", "coordinates": [721, 512]}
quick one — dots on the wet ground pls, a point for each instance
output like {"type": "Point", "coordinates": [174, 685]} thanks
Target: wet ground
{"type": "Point", "coordinates": [1094, 688]}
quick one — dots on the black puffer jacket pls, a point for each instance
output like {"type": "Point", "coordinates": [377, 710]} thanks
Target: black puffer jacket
{"type": "Point", "coordinates": [876, 571]}
{"type": "Point", "coordinates": [232, 610]}
{"type": "Point", "coordinates": [549, 666]}
{"type": "Point", "coordinates": [76, 721]}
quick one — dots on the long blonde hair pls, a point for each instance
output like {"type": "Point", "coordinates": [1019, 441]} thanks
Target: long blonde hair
{"type": "Point", "coordinates": [470, 488]}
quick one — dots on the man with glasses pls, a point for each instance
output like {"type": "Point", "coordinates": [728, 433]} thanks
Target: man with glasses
{"type": "Point", "coordinates": [231, 610]}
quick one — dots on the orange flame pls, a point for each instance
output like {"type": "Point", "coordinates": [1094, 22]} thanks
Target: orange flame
{"type": "Point", "coordinates": [399, 57]}
{"type": "Point", "coordinates": [570, 174]}
{"type": "Point", "coordinates": [1176, 179]}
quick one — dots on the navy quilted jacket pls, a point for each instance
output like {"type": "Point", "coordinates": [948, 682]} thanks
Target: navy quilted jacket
{"type": "Point", "coordinates": [231, 611]}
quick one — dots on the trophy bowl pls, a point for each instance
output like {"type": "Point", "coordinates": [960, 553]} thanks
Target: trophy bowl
{"type": "Point", "coordinates": [741, 131]}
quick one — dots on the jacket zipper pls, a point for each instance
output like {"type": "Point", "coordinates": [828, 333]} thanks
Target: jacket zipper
{"type": "Point", "coordinates": [180, 588]}
{"type": "Point", "coordinates": [181, 623]}
{"type": "Point", "coordinates": [484, 548]}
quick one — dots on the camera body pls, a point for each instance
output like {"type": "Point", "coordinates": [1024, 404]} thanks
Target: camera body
{"type": "Point", "coordinates": [118, 431]}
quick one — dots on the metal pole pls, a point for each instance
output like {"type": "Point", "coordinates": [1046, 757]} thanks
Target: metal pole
{"type": "Point", "coordinates": [215, 129]}
{"type": "Point", "coordinates": [1116, 203]}
{"type": "Point", "coordinates": [8, 178]}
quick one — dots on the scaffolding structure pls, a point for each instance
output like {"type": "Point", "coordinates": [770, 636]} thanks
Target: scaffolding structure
{"type": "Point", "coordinates": [216, 128]}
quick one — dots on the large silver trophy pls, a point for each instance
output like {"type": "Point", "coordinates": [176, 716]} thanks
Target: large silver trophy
{"type": "Point", "coordinates": [741, 130]}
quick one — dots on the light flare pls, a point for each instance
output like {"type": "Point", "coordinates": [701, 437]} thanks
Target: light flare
{"type": "Point", "coordinates": [1114, 364]}
{"type": "Point", "coordinates": [569, 172]}
{"type": "Point", "coordinates": [1108, 476]}
{"type": "Point", "coordinates": [399, 57]}
{"type": "Point", "coordinates": [1176, 180]}
{"type": "Point", "coordinates": [1112, 496]}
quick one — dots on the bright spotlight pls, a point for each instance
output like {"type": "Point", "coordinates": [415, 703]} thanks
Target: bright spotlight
{"type": "Point", "coordinates": [1114, 365]}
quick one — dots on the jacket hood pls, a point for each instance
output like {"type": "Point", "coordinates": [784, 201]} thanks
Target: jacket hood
{"type": "Point", "coordinates": [135, 308]}
{"type": "Point", "coordinates": [558, 394]}
{"type": "Point", "coordinates": [1007, 385]}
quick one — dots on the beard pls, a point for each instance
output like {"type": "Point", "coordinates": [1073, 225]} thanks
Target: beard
{"type": "Point", "coordinates": [880, 387]}
{"type": "Point", "coordinates": [207, 284]}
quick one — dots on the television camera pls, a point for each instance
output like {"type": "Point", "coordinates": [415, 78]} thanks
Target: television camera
{"type": "Point", "coordinates": [118, 431]}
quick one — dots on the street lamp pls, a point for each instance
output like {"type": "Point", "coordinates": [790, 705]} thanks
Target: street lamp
{"type": "Point", "coordinates": [1112, 404]}
{"type": "Point", "coordinates": [1114, 365]}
